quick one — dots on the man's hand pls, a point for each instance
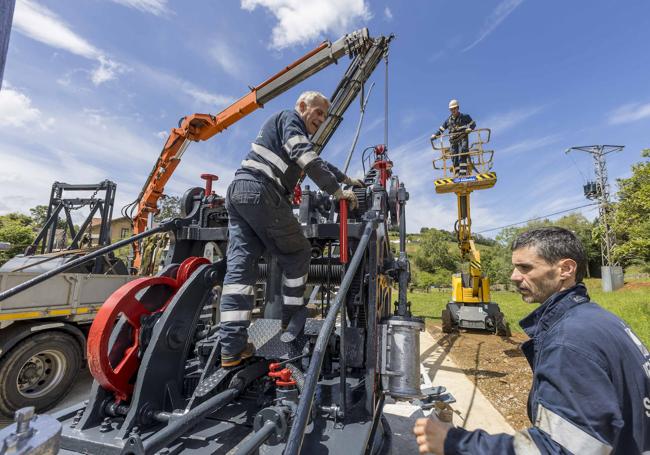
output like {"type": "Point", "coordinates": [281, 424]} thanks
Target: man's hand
{"type": "Point", "coordinates": [430, 434]}
{"type": "Point", "coordinates": [349, 196]}
{"type": "Point", "coordinates": [435, 136]}
{"type": "Point", "coordinates": [468, 130]}
{"type": "Point", "coordinates": [354, 182]}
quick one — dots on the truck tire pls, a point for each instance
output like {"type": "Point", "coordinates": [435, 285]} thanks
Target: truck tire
{"type": "Point", "coordinates": [39, 371]}
{"type": "Point", "coordinates": [447, 323]}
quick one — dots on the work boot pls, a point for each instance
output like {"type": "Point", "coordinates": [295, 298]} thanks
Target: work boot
{"type": "Point", "coordinates": [229, 361]}
{"type": "Point", "coordinates": [295, 325]}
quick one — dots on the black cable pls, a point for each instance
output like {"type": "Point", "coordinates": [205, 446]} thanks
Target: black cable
{"type": "Point", "coordinates": [537, 218]}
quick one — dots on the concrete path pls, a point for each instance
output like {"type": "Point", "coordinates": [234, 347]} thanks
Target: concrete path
{"type": "Point", "coordinates": [471, 409]}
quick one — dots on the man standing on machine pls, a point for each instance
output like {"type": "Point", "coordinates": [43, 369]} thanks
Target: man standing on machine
{"type": "Point", "coordinates": [459, 126]}
{"type": "Point", "coordinates": [261, 218]}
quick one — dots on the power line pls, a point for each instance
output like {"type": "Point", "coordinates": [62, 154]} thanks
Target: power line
{"type": "Point", "coordinates": [538, 218]}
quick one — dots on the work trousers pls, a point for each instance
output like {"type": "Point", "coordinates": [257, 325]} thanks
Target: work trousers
{"type": "Point", "coordinates": [260, 219]}
{"type": "Point", "coordinates": [460, 158]}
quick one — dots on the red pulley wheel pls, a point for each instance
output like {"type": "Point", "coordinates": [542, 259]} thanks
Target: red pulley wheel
{"type": "Point", "coordinates": [124, 301]}
{"type": "Point", "coordinates": [188, 267]}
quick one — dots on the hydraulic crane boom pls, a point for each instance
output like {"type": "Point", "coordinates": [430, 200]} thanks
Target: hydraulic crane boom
{"type": "Point", "coordinates": [201, 127]}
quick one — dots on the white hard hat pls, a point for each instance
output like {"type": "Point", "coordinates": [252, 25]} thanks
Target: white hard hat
{"type": "Point", "coordinates": [453, 104]}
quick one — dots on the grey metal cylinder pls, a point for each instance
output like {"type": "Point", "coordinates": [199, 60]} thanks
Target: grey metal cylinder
{"type": "Point", "coordinates": [403, 356]}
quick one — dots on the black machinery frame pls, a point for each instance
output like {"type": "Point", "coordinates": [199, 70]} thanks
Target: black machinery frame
{"type": "Point", "coordinates": [61, 205]}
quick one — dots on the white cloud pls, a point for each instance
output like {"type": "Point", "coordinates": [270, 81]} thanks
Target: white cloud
{"type": "Point", "coordinates": [180, 88]}
{"type": "Point", "coordinates": [81, 147]}
{"type": "Point", "coordinates": [388, 14]}
{"type": "Point", "coordinates": [504, 121]}
{"type": "Point", "coordinates": [629, 113]}
{"type": "Point", "coordinates": [16, 109]}
{"type": "Point", "coordinates": [529, 144]}
{"type": "Point", "coordinates": [436, 56]}
{"type": "Point", "coordinates": [39, 23]}
{"type": "Point", "coordinates": [225, 58]}
{"type": "Point", "coordinates": [155, 7]}
{"type": "Point", "coordinates": [300, 22]}
{"type": "Point", "coordinates": [204, 97]}
{"type": "Point", "coordinates": [494, 19]}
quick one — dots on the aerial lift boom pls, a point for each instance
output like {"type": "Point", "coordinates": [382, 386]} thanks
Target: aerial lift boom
{"type": "Point", "coordinates": [470, 305]}
{"type": "Point", "coordinates": [201, 127]}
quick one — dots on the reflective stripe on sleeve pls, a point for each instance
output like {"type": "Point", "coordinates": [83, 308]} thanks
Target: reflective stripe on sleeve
{"type": "Point", "coordinates": [523, 444]}
{"type": "Point", "coordinates": [295, 140]}
{"type": "Point", "coordinates": [269, 156]}
{"type": "Point", "coordinates": [567, 434]}
{"type": "Point", "coordinates": [306, 158]}
{"type": "Point", "coordinates": [293, 301]}
{"type": "Point", "coordinates": [235, 316]}
{"type": "Point", "coordinates": [238, 289]}
{"type": "Point", "coordinates": [294, 282]}
{"type": "Point", "coordinates": [262, 167]}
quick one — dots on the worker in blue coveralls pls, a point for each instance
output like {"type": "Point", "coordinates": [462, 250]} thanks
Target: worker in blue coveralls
{"type": "Point", "coordinates": [591, 373]}
{"type": "Point", "coordinates": [261, 219]}
{"type": "Point", "coordinates": [459, 126]}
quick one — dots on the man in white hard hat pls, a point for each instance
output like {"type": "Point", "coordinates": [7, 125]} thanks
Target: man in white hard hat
{"type": "Point", "coordinates": [458, 125]}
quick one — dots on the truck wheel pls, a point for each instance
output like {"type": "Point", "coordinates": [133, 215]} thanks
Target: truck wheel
{"type": "Point", "coordinates": [38, 372]}
{"type": "Point", "coordinates": [447, 324]}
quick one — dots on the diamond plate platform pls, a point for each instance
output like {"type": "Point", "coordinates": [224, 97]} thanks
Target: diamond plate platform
{"type": "Point", "coordinates": [265, 335]}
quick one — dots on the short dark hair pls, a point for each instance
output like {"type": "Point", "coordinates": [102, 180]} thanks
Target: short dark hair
{"type": "Point", "coordinates": [554, 243]}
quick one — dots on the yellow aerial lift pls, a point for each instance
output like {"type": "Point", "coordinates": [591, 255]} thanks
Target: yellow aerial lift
{"type": "Point", "coordinates": [470, 306]}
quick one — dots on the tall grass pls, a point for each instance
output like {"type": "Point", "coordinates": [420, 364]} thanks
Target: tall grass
{"type": "Point", "coordinates": [631, 305]}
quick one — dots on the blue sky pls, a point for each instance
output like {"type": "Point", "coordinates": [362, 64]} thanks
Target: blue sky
{"type": "Point", "coordinates": [91, 88]}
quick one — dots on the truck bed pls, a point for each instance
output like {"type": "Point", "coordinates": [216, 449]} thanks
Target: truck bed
{"type": "Point", "coordinates": [75, 296]}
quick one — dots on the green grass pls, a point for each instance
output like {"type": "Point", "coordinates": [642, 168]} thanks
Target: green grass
{"type": "Point", "coordinates": [631, 305]}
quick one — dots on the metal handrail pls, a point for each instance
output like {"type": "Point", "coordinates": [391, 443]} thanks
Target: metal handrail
{"type": "Point", "coordinates": [480, 159]}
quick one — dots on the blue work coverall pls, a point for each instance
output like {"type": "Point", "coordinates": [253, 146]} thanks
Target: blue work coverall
{"type": "Point", "coordinates": [591, 385]}
{"type": "Point", "coordinates": [458, 139]}
{"type": "Point", "coordinates": [261, 219]}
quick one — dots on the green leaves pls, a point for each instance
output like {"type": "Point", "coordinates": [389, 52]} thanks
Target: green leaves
{"type": "Point", "coordinates": [16, 229]}
{"type": "Point", "coordinates": [631, 217]}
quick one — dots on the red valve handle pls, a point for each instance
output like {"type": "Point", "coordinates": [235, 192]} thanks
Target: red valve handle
{"type": "Point", "coordinates": [209, 178]}
{"type": "Point", "coordinates": [282, 376]}
{"type": "Point", "coordinates": [343, 231]}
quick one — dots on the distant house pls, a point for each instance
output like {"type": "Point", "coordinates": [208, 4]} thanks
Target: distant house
{"type": "Point", "coordinates": [120, 229]}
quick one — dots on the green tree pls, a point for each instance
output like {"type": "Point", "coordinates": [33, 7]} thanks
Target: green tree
{"type": "Point", "coordinates": [169, 207]}
{"type": "Point", "coordinates": [497, 265]}
{"type": "Point", "coordinates": [15, 229]}
{"type": "Point", "coordinates": [574, 222]}
{"type": "Point", "coordinates": [434, 252]}
{"type": "Point", "coordinates": [425, 280]}
{"type": "Point", "coordinates": [39, 217]}
{"type": "Point", "coordinates": [631, 217]}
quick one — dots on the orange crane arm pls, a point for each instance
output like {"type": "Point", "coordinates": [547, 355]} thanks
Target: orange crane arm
{"type": "Point", "coordinates": [201, 127]}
